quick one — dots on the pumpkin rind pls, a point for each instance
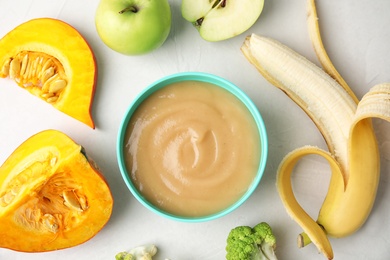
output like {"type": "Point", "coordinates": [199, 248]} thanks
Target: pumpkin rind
{"type": "Point", "coordinates": [64, 43]}
{"type": "Point", "coordinates": [43, 175]}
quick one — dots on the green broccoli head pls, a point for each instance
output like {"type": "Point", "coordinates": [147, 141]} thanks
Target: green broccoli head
{"type": "Point", "coordinates": [246, 243]}
{"type": "Point", "coordinates": [240, 243]}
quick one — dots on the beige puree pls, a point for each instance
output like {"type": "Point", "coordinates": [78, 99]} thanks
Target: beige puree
{"type": "Point", "coordinates": [192, 148]}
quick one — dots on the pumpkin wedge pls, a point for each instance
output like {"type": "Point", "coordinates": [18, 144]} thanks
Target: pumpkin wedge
{"type": "Point", "coordinates": [51, 60]}
{"type": "Point", "coordinates": [51, 196]}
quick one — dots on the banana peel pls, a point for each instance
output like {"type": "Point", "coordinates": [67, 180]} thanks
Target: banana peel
{"type": "Point", "coordinates": [346, 125]}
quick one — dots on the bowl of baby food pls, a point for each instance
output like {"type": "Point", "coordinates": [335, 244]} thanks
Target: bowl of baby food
{"type": "Point", "coordinates": [192, 147]}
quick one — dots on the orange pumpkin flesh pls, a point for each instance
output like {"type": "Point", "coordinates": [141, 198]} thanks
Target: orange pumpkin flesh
{"type": "Point", "coordinates": [51, 196]}
{"type": "Point", "coordinates": [51, 60]}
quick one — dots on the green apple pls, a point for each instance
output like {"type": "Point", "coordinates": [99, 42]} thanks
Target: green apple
{"type": "Point", "coordinates": [133, 27]}
{"type": "Point", "coordinates": [218, 20]}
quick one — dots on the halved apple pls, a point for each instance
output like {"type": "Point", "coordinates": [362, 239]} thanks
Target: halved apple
{"type": "Point", "coordinates": [218, 20]}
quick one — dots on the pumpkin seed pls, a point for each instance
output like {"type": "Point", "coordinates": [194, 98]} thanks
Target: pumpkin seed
{"type": "Point", "coordinates": [46, 84]}
{"type": "Point", "coordinates": [53, 161]}
{"type": "Point", "coordinates": [6, 199]}
{"type": "Point", "coordinates": [83, 201]}
{"type": "Point", "coordinates": [5, 68]}
{"type": "Point", "coordinates": [47, 95]}
{"type": "Point", "coordinates": [15, 190]}
{"type": "Point", "coordinates": [50, 223]}
{"type": "Point", "coordinates": [27, 70]}
{"type": "Point", "coordinates": [28, 213]}
{"type": "Point", "coordinates": [24, 65]}
{"type": "Point", "coordinates": [52, 99]}
{"type": "Point", "coordinates": [14, 68]}
{"type": "Point", "coordinates": [71, 200]}
{"type": "Point", "coordinates": [57, 86]}
{"type": "Point", "coordinates": [48, 73]}
{"type": "Point", "coordinates": [47, 64]}
{"type": "Point", "coordinates": [34, 68]}
{"type": "Point", "coordinates": [39, 65]}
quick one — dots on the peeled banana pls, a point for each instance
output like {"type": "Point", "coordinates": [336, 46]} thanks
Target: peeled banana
{"type": "Point", "coordinates": [345, 123]}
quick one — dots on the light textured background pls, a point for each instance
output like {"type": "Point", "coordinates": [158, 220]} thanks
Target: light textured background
{"type": "Point", "coordinates": [356, 35]}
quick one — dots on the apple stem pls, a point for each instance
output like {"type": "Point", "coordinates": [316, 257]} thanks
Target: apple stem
{"type": "Point", "coordinates": [129, 9]}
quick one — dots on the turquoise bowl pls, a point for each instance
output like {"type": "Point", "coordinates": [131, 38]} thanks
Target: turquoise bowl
{"type": "Point", "coordinates": [193, 76]}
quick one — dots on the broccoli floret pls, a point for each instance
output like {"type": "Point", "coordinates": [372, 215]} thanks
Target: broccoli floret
{"type": "Point", "coordinates": [246, 243]}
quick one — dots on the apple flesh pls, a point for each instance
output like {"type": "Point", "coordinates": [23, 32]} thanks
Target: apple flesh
{"type": "Point", "coordinates": [133, 27]}
{"type": "Point", "coordinates": [218, 20]}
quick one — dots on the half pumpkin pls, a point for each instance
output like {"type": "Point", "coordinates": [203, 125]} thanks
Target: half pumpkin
{"type": "Point", "coordinates": [51, 196]}
{"type": "Point", "coordinates": [51, 60]}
